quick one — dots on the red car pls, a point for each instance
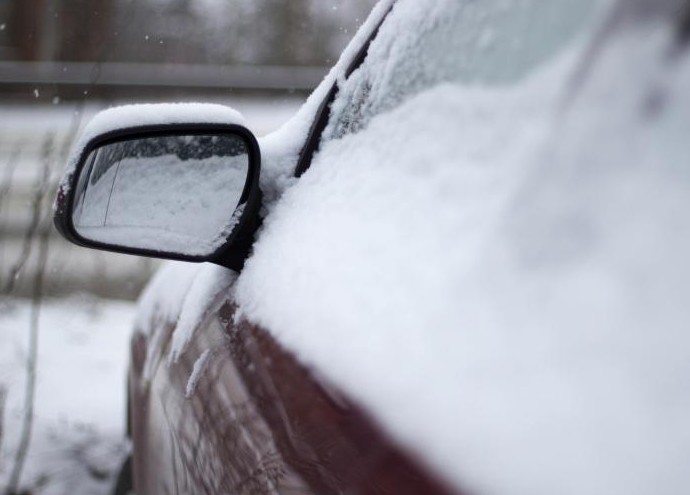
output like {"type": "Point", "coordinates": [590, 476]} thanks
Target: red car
{"type": "Point", "coordinates": [461, 268]}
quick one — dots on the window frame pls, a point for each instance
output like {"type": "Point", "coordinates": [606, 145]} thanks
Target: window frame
{"type": "Point", "coordinates": [323, 114]}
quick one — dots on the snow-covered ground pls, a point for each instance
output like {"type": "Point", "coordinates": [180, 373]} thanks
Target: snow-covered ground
{"type": "Point", "coordinates": [78, 437]}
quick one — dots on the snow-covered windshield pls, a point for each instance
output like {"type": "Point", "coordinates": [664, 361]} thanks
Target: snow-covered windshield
{"type": "Point", "coordinates": [476, 44]}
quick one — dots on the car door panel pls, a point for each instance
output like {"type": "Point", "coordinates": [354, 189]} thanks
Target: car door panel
{"type": "Point", "coordinates": [243, 416]}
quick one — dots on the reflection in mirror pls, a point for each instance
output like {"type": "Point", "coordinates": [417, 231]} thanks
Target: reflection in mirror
{"type": "Point", "coordinates": [173, 193]}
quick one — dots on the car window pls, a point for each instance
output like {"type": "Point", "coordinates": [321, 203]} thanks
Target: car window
{"type": "Point", "coordinates": [488, 43]}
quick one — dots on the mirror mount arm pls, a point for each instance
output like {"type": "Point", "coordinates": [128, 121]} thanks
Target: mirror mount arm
{"type": "Point", "coordinates": [234, 254]}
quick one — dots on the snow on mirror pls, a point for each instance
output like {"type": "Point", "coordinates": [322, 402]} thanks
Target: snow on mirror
{"type": "Point", "coordinates": [166, 193]}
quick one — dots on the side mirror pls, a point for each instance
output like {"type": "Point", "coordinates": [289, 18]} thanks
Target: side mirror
{"type": "Point", "coordinates": [187, 192]}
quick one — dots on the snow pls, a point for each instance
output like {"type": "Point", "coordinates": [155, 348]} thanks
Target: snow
{"type": "Point", "coordinates": [280, 149]}
{"type": "Point", "coordinates": [209, 281]}
{"type": "Point", "coordinates": [197, 373]}
{"type": "Point", "coordinates": [447, 42]}
{"type": "Point", "coordinates": [78, 439]}
{"type": "Point", "coordinates": [128, 116]}
{"type": "Point", "coordinates": [180, 293]}
{"type": "Point", "coordinates": [161, 304]}
{"type": "Point", "coordinates": [499, 273]}
{"type": "Point", "coordinates": [159, 113]}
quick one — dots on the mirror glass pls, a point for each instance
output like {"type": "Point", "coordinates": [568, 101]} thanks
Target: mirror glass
{"type": "Point", "coordinates": [169, 193]}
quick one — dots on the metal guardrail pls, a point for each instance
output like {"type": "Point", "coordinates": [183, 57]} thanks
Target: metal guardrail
{"type": "Point", "coordinates": [161, 75]}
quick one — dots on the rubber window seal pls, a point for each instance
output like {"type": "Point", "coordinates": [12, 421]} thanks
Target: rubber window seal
{"type": "Point", "coordinates": [323, 114]}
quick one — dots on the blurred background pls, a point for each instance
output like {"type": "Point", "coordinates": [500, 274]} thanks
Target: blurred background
{"type": "Point", "coordinates": [66, 312]}
{"type": "Point", "coordinates": [63, 60]}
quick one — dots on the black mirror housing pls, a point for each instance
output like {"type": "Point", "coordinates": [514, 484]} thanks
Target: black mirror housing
{"type": "Point", "coordinates": [94, 204]}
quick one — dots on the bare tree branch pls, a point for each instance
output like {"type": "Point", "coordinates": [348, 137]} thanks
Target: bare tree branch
{"type": "Point", "coordinates": [43, 184]}
{"type": "Point", "coordinates": [5, 186]}
{"type": "Point", "coordinates": [3, 396]}
{"type": "Point", "coordinates": [9, 172]}
{"type": "Point", "coordinates": [43, 231]}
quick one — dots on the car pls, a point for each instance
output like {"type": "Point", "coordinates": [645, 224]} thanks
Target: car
{"type": "Point", "coordinates": [460, 268]}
